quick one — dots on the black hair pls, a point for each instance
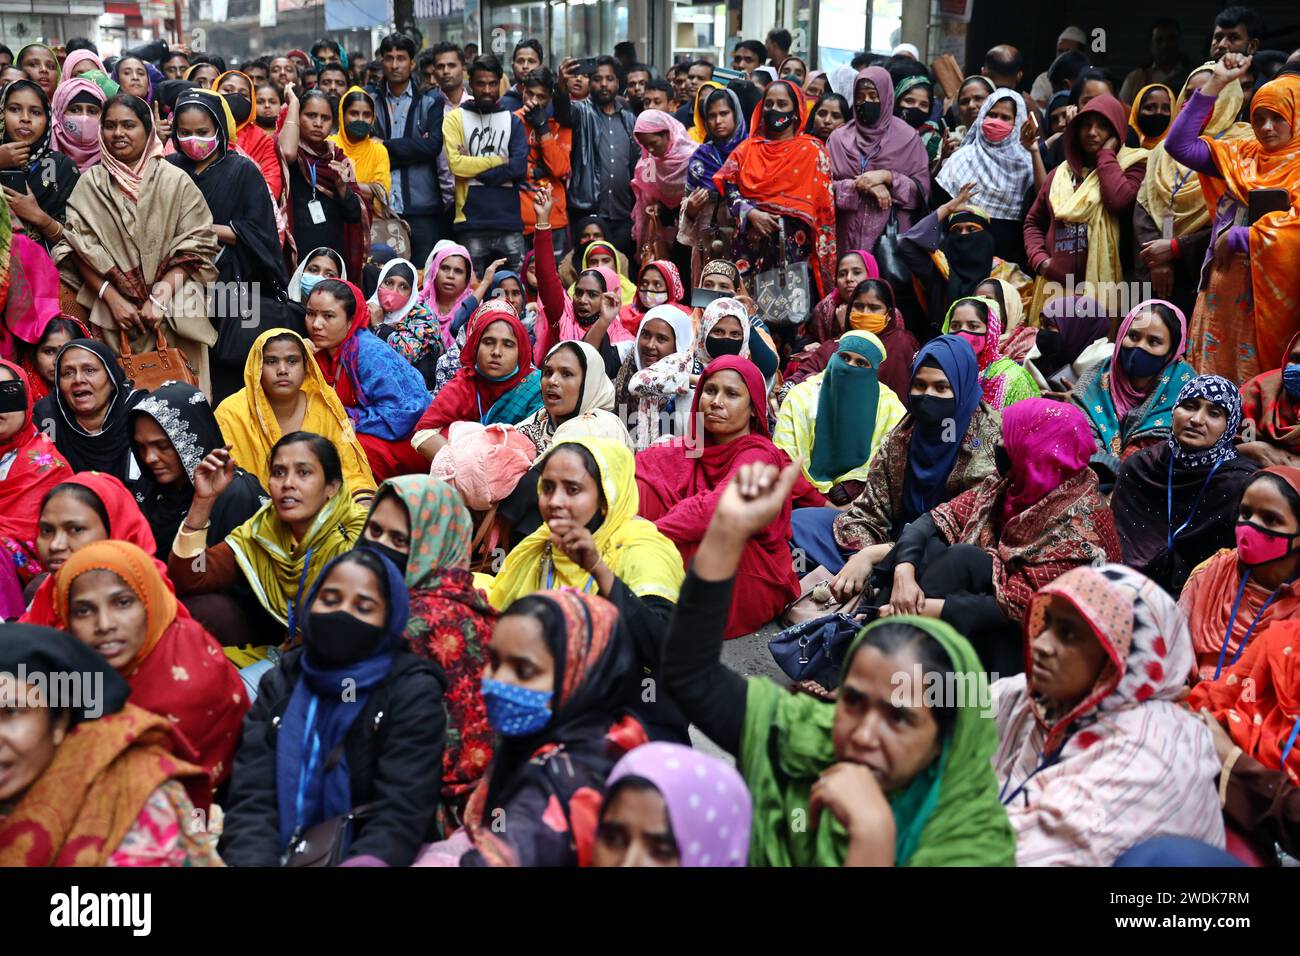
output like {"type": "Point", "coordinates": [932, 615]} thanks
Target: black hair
{"type": "Point", "coordinates": [328, 44]}
{"type": "Point", "coordinates": [439, 49]}
{"type": "Point", "coordinates": [902, 67]}
{"type": "Point", "coordinates": [606, 60]}
{"type": "Point", "coordinates": [782, 38]}
{"type": "Point", "coordinates": [397, 41]}
{"type": "Point", "coordinates": [78, 43]}
{"type": "Point", "coordinates": [701, 62]}
{"type": "Point", "coordinates": [315, 93]}
{"type": "Point", "coordinates": [542, 76]}
{"type": "Point", "coordinates": [1065, 69]}
{"type": "Point", "coordinates": [627, 47]}
{"type": "Point", "coordinates": [60, 324]}
{"type": "Point", "coordinates": [639, 68]}
{"type": "Point", "coordinates": [1000, 65]}
{"type": "Point", "coordinates": [369, 559]}
{"type": "Point", "coordinates": [663, 86]}
{"type": "Point", "coordinates": [332, 67]}
{"type": "Point", "coordinates": [1170, 321]}
{"type": "Point", "coordinates": [356, 98]}
{"type": "Point", "coordinates": [529, 44]}
{"type": "Point", "coordinates": [864, 59]}
{"type": "Point", "coordinates": [1092, 73]}
{"type": "Point", "coordinates": [82, 494]}
{"type": "Point", "coordinates": [321, 447]}
{"type": "Point", "coordinates": [262, 61]}
{"type": "Point", "coordinates": [1265, 65]}
{"type": "Point", "coordinates": [879, 286]}
{"type": "Point", "coordinates": [173, 54]}
{"type": "Point", "coordinates": [487, 62]}
{"type": "Point", "coordinates": [891, 638]}
{"type": "Point", "coordinates": [259, 87]}
{"type": "Point", "coordinates": [845, 110]}
{"type": "Point", "coordinates": [287, 337]}
{"type": "Point", "coordinates": [5, 49]}
{"type": "Point", "coordinates": [136, 105]}
{"type": "Point", "coordinates": [588, 463]}
{"type": "Point", "coordinates": [1278, 482]}
{"type": "Point", "coordinates": [339, 289]}
{"type": "Point", "coordinates": [631, 782]}
{"type": "Point", "coordinates": [1241, 16]}
{"type": "Point", "coordinates": [755, 47]}
{"type": "Point", "coordinates": [1159, 22]}
{"type": "Point", "coordinates": [549, 618]}
{"type": "Point", "coordinates": [980, 308]}
{"type": "Point", "coordinates": [997, 294]}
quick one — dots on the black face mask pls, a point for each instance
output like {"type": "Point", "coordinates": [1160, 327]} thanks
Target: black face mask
{"type": "Point", "coordinates": [399, 558]}
{"type": "Point", "coordinates": [1153, 124]}
{"type": "Point", "coordinates": [913, 116]}
{"type": "Point", "coordinates": [775, 121]}
{"type": "Point", "coordinates": [717, 346]}
{"type": "Point", "coordinates": [266, 122]}
{"type": "Point", "coordinates": [240, 107]}
{"type": "Point", "coordinates": [1048, 342]}
{"type": "Point", "coordinates": [1002, 459]}
{"type": "Point", "coordinates": [337, 639]}
{"type": "Point", "coordinates": [931, 409]}
{"type": "Point", "coordinates": [867, 113]}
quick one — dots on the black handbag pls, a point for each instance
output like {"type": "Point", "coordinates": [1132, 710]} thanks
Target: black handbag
{"type": "Point", "coordinates": [238, 324]}
{"type": "Point", "coordinates": [814, 650]}
{"type": "Point", "coordinates": [784, 294]}
{"type": "Point", "coordinates": [888, 258]}
{"type": "Point", "coordinates": [326, 842]}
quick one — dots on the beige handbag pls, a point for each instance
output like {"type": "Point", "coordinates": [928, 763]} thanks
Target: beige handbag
{"type": "Point", "coordinates": [387, 227]}
{"type": "Point", "coordinates": [815, 599]}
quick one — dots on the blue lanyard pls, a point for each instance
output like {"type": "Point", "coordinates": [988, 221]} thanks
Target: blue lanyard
{"type": "Point", "coordinates": [305, 771]}
{"type": "Point", "coordinates": [1169, 497]}
{"type": "Point", "coordinates": [293, 605]}
{"type": "Point", "coordinates": [1233, 620]}
{"type": "Point", "coordinates": [1290, 742]}
{"type": "Point", "coordinates": [311, 164]}
{"type": "Point", "coordinates": [550, 578]}
{"type": "Point", "coordinates": [1047, 761]}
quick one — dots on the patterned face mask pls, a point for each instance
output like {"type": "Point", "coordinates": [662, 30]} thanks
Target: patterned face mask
{"type": "Point", "coordinates": [515, 711]}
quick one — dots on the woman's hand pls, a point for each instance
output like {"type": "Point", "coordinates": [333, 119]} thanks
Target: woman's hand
{"type": "Point", "coordinates": [24, 205]}
{"type": "Point", "coordinates": [1029, 133]}
{"type": "Point", "coordinates": [1111, 144]}
{"type": "Point", "coordinates": [491, 273]}
{"type": "Point", "coordinates": [1157, 252]}
{"type": "Point", "coordinates": [1162, 281]}
{"type": "Point", "coordinates": [958, 202]}
{"type": "Point", "coordinates": [852, 578]}
{"type": "Point", "coordinates": [151, 315]}
{"type": "Point", "coordinates": [1223, 743]}
{"type": "Point", "coordinates": [696, 200]}
{"type": "Point", "coordinates": [376, 314]}
{"type": "Point", "coordinates": [14, 155]}
{"type": "Point", "coordinates": [854, 798]}
{"type": "Point", "coordinates": [1230, 69]}
{"type": "Point", "coordinates": [347, 173]}
{"type": "Point", "coordinates": [576, 542]}
{"type": "Point", "coordinates": [124, 312]}
{"type": "Point", "coordinates": [906, 596]}
{"type": "Point", "coordinates": [214, 474]}
{"type": "Point", "coordinates": [881, 195]}
{"type": "Point", "coordinates": [1223, 251]}
{"type": "Point", "coordinates": [754, 497]}
{"type": "Point", "coordinates": [763, 223]}
{"type": "Point", "coordinates": [543, 203]}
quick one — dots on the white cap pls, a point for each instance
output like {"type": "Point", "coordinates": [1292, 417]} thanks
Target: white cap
{"type": "Point", "coordinates": [1073, 33]}
{"type": "Point", "coordinates": [907, 49]}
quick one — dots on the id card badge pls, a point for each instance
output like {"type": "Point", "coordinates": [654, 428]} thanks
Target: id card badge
{"type": "Point", "coordinates": [1167, 226]}
{"type": "Point", "coordinates": [317, 212]}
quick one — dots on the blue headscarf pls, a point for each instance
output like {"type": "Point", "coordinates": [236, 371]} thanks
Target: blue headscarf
{"type": "Point", "coordinates": [930, 457]}
{"type": "Point", "coordinates": [709, 155]}
{"type": "Point", "coordinates": [320, 714]}
{"type": "Point", "coordinates": [846, 408]}
{"type": "Point", "coordinates": [1218, 391]}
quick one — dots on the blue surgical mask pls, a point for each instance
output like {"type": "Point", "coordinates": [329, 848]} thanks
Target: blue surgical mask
{"type": "Point", "coordinates": [309, 280]}
{"type": "Point", "coordinates": [1139, 363]}
{"type": "Point", "coordinates": [515, 711]}
{"type": "Point", "coordinates": [1291, 379]}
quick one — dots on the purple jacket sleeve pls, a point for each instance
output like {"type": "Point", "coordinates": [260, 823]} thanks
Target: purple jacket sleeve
{"type": "Point", "coordinates": [1184, 140]}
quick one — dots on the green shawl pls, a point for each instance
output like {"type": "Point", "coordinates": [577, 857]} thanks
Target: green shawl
{"type": "Point", "coordinates": [949, 815]}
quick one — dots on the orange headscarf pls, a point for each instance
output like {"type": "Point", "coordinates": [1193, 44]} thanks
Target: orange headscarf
{"type": "Point", "coordinates": [1244, 165]}
{"type": "Point", "coordinates": [1145, 141]}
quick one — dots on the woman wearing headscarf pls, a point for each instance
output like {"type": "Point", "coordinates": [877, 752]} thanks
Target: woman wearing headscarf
{"type": "Point", "coordinates": [26, 145]}
{"type": "Point", "coordinates": [352, 718]}
{"type": "Point", "coordinates": [950, 254]}
{"type": "Point", "coordinates": [777, 186]}
{"type": "Point", "coordinates": [139, 243]}
{"type": "Point", "coordinates": [977, 321]}
{"type": "Point", "coordinates": [421, 524]}
{"type": "Point", "coordinates": [830, 316]}
{"type": "Point", "coordinates": [284, 392]}
{"type": "Point", "coordinates": [404, 321]}
{"type": "Point", "coordinates": [700, 816]}
{"type": "Point", "coordinates": [658, 284]}
{"type": "Point", "coordinates": [721, 122]}
{"type": "Point", "coordinates": [1172, 221]}
{"type": "Point", "coordinates": [871, 308]}
{"type": "Point", "coordinates": [102, 787]}
{"type": "Point", "coordinates": [1072, 337]}
{"type": "Point", "coordinates": [321, 263]}
{"type": "Point", "coordinates": [30, 466]}
{"type": "Point", "coordinates": [916, 468]}
{"type": "Point", "coordinates": [681, 481]}
{"type": "Point", "coordinates": [976, 560]}
{"type": "Point", "coordinates": [879, 165]}
{"type": "Point", "coordinates": [39, 357]}
{"type": "Point", "coordinates": [603, 253]}
{"type": "Point", "coordinates": [1129, 397]}
{"type": "Point", "coordinates": [992, 156]}
{"type": "Point", "coordinates": [573, 382]}
{"type": "Point", "coordinates": [257, 144]}
{"type": "Point", "coordinates": [1257, 264]}
{"type": "Point", "coordinates": [1095, 755]}
{"type": "Point", "coordinates": [585, 230]}
{"type": "Point", "coordinates": [355, 137]}
{"type": "Point", "coordinates": [249, 264]}
{"type": "Point", "coordinates": [89, 410]}
{"type": "Point", "coordinates": [1176, 502]}
{"type": "Point", "coordinates": [802, 758]}
{"type": "Point", "coordinates": [659, 181]}
{"type": "Point", "coordinates": [1151, 115]}
{"type": "Point", "coordinates": [835, 421]}
{"type": "Point", "coordinates": [913, 102]}
{"type": "Point", "coordinates": [384, 395]}
{"type": "Point", "coordinates": [174, 666]}
{"type": "Point", "coordinates": [1234, 595]}
{"type": "Point", "coordinates": [137, 77]}
{"type": "Point", "coordinates": [174, 429]}
{"type": "Point", "coordinates": [1270, 407]}
{"type": "Point", "coordinates": [77, 110]}
{"type": "Point", "coordinates": [448, 287]}
{"type": "Point", "coordinates": [1080, 222]}
{"type": "Point", "coordinates": [655, 378]}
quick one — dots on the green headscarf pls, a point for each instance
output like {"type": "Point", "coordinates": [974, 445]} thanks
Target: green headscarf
{"type": "Point", "coordinates": [949, 815]}
{"type": "Point", "coordinates": [846, 408]}
{"type": "Point", "coordinates": [106, 83]}
{"type": "Point", "coordinates": [441, 527]}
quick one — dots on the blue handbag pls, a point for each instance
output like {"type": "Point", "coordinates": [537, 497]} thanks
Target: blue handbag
{"type": "Point", "coordinates": [814, 650]}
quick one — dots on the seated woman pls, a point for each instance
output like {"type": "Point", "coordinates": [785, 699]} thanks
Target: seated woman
{"type": "Point", "coordinates": [1254, 738]}
{"type": "Point", "coordinates": [174, 429]}
{"type": "Point", "coordinates": [285, 391]}
{"type": "Point", "coordinates": [821, 794]}
{"type": "Point", "coordinates": [669, 805]}
{"type": "Point", "coordinates": [321, 263]}
{"type": "Point", "coordinates": [835, 421]}
{"type": "Point", "coordinates": [1129, 397]}
{"type": "Point", "coordinates": [1175, 503]}
{"type": "Point", "coordinates": [422, 526]}
{"type": "Point", "coordinates": [592, 539]}
{"type": "Point", "coordinates": [89, 411]}
{"type": "Point", "coordinates": [977, 321]}
{"type": "Point", "coordinates": [489, 287]}
{"type": "Point", "coordinates": [1237, 593]}
{"type": "Point", "coordinates": [384, 395]}
{"type": "Point", "coordinates": [573, 383]}
{"type": "Point", "coordinates": [1071, 339]}
{"type": "Point", "coordinates": [830, 316]}
{"type": "Point", "coordinates": [602, 254]}
{"type": "Point", "coordinates": [555, 685]}
{"type": "Point", "coordinates": [680, 482]}
{"type": "Point", "coordinates": [649, 390]}
{"type": "Point", "coordinates": [659, 284]}
{"type": "Point", "coordinates": [30, 466]}
{"type": "Point", "coordinates": [39, 357]}
{"type": "Point", "coordinates": [496, 382]}
{"type": "Point", "coordinates": [88, 787]}
{"type": "Point", "coordinates": [448, 283]}
{"type": "Point", "coordinates": [1095, 755]}
{"type": "Point", "coordinates": [111, 596]}
{"type": "Point", "coordinates": [916, 468]}
{"type": "Point", "coordinates": [1270, 410]}
{"type": "Point", "coordinates": [1011, 307]}
{"type": "Point", "coordinates": [354, 690]}
{"type": "Point", "coordinates": [950, 253]}
{"type": "Point", "coordinates": [975, 561]}
{"type": "Point", "coordinates": [871, 308]}
{"type": "Point", "coordinates": [277, 553]}
{"type": "Point", "coordinates": [586, 230]}
{"type": "Point", "coordinates": [402, 320]}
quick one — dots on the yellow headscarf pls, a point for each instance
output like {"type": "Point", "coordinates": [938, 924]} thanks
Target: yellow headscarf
{"type": "Point", "coordinates": [627, 288]}
{"type": "Point", "coordinates": [252, 98]}
{"type": "Point", "coordinates": [1150, 142]}
{"type": "Point", "coordinates": [249, 424]}
{"type": "Point", "coordinates": [698, 132]}
{"type": "Point", "coordinates": [369, 155]}
{"type": "Point", "coordinates": [1165, 175]}
{"type": "Point", "coordinates": [633, 548]}
{"type": "Point", "coordinates": [1084, 204]}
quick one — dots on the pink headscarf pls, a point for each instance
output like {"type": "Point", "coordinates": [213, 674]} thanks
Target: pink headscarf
{"type": "Point", "coordinates": [64, 130]}
{"type": "Point", "coordinates": [1048, 442]}
{"type": "Point", "coordinates": [80, 56]}
{"type": "Point", "coordinates": [1122, 393]}
{"type": "Point", "coordinates": [429, 294]}
{"type": "Point", "coordinates": [661, 178]}
{"type": "Point", "coordinates": [868, 260]}
{"type": "Point", "coordinates": [33, 291]}
{"type": "Point", "coordinates": [570, 329]}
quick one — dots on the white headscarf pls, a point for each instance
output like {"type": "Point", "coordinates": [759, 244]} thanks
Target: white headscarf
{"type": "Point", "coordinates": [677, 319]}
{"type": "Point", "coordinates": [392, 318]}
{"type": "Point", "coordinates": [295, 283]}
{"type": "Point", "coordinates": [1004, 171]}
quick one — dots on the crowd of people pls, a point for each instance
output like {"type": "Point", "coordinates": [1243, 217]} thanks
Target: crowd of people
{"type": "Point", "coordinates": [395, 440]}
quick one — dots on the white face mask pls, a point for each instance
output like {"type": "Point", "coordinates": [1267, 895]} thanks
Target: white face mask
{"type": "Point", "coordinates": [652, 299]}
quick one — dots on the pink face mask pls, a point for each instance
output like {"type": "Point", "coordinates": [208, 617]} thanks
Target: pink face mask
{"type": "Point", "coordinates": [390, 300]}
{"type": "Point", "coordinates": [82, 130]}
{"type": "Point", "coordinates": [1256, 546]}
{"type": "Point", "coordinates": [996, 130]}
{"type": "Point", "coordinates": [976, 341]}
{"type": "Point", "coordinates": [198, 148]}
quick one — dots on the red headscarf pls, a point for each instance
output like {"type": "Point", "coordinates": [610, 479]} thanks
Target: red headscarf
{"type": "Point", "coordinates": [633, 313]}
{"type": "Point", "coordinates": [1048, 442]}
{"type": "Point", "coordinates": [333, 366]}
{"type": "Point", "coordinates": [470, 394]}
